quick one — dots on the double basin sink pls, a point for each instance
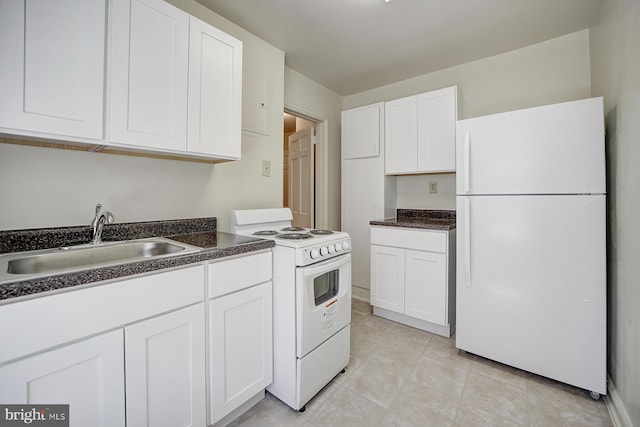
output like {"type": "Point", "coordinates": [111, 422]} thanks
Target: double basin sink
{"type": "Point", "coordinates": [31, 264]}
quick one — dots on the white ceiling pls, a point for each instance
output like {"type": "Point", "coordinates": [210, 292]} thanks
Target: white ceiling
{"type": "Point", "coordinates": [354, 45]}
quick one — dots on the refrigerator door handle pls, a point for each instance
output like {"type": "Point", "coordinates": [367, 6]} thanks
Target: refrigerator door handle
{"type": "Point", "coordinates": [467, 160]}
{"type": "Point", "coordinates": [467, 243]}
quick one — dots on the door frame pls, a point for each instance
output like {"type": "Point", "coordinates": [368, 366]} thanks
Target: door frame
{"type": "Point", "coordinates": [321, 203]}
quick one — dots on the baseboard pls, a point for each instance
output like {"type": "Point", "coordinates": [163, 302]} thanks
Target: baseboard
{"type": "Point", "coordinates": [616, 408]}
{"type": "Point", "coordinates": [444, 331]}
{"type": "Point", "coordinates": [236, 413]}
{"type": "Point", "coordinates": [361, 294]}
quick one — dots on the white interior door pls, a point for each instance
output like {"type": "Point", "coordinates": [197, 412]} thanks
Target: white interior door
{"type": "Point", "coordinates": [301, 177]}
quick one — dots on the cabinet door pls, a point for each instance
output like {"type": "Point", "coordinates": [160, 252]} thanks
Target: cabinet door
{"type": "Point", "coordinates": [87, 375]}
{"type": "Point", "coordinates": [437, 115]}
{"type": "Point", "coordinates": [362, 131]}
{"type": "Point", "coordinates": [52, 78]}
{"type": "Point", "coordinates": [240, 347]}
{"type": "Point", "coordinates": [426, 286]}
{"type": "Point", "coordinates": [215, 91]}
{"type": "Point", "coordinates": [387, 278]}
{"type": "Point", "coordinates": [165, 363]}
{"type": "Point", "coordinates": [149, 71]}
{"type": "Point", "coordinates": [401, 135]}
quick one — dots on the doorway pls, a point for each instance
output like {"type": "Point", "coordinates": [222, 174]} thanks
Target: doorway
{"type": "Point", "coordinates": [299, 174]}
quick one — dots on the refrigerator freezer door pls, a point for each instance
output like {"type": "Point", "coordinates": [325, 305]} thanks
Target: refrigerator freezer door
{"type": "Point", "coordinates": [531, 290]}
{"type": "Point", "coordinates": [554, 149]}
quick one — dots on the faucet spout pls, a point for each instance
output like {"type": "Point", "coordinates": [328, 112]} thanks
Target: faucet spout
{"type": "Point", "coordinates": [98, 224]}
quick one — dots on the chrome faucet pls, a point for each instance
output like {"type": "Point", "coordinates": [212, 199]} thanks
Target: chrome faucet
{"type": "Point", "coordinates": [99, 220]}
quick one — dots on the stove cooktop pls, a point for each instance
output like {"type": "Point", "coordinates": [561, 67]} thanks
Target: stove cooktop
{"type": "Point", "coordinates": [298, 237]}
{"type": "Point", "coordinates": [294, 236]}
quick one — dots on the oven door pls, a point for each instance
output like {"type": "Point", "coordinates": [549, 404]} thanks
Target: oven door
{"type": "Point", "coordinates": [323, 302]}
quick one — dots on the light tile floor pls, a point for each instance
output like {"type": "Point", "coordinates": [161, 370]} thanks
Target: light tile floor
{"type": "Point", "coordinates": [401, 376]}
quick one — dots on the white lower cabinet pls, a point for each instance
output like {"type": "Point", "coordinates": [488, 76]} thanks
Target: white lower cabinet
{"type": "Point", "coordinates": [165, 365]}
{"type": "Point", "coordinates": [387, 277]}
{"type": "Point", "coordinates": [240, 327]}
{"type": "Point", "coordinates": [426, 286]}
{"type": "Point", "coordinates": [240, 334]}
{"type": "Point", "coordinates": [87, 375]}
{"type": "Point", "coordinates": [135, 352]}
{"type": "Point", "coordinates": [71, 348]}
{"type": "Point", "coordinates": [413, 277]}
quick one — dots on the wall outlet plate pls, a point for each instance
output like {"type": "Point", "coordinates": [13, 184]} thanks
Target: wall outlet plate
{"type": "Point", "coordinates": [266, 168]}
{"type": "Point", "coordinates": [433, 186]}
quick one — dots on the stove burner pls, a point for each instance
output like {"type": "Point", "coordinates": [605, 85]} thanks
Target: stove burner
{"type": "Point", "coordinates": [292, 229]}
{"type": "Point", "coordinates": [294, 236]}
{"type": "Point", "coordinates": [265, 233]}
{"type": "Point", "coordinates": [321, 232]}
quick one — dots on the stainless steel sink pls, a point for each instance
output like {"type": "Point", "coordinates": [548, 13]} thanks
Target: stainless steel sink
{"type": "Point", "coordinates": [74, 258]}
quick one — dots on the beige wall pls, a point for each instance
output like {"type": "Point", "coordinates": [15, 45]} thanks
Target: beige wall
{"type": "Point", "coordinates": [553, 71]}
{"type": "Point", "coordinates": [545, 73]}
{"type": "Point", "coordinates": [43, 187]}
{"type": "Point", "coordinates": [615, 73]}
{"type": "Point", "coordinates": [304, 96]}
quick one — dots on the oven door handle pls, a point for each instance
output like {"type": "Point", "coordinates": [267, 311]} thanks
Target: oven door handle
{"type": "Point", "coordinates": [328, 265]}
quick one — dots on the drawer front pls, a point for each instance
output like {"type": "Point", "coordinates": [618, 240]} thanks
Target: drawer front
{"type": "Point", "coordinates": [39, 323]}
{"type": "Point", "coordinates": [232, 275]}
{"type": "Point", "coordinates": [422, 240]}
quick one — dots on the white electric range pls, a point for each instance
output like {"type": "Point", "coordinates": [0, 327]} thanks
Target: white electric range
{"type": "Point", "coordinates": [311, 302]}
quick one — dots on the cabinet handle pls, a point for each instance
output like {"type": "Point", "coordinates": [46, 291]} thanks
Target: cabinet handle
{"type": "Point", "coordinates": [467, 243]}
{"type": "Point", "coordinates": [467, 161]}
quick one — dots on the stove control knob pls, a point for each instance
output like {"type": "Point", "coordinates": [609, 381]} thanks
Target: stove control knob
{"type": "Point", "coordinates": [338, 247]}
{"type": "Point", "coordinates": [332, 249]}
{"type": "Point", "coordinates": [315, 253]}
{"type": "Point", "coordinates": [345, 245]}
{"type": "Point", "coordinates": [324, 250]}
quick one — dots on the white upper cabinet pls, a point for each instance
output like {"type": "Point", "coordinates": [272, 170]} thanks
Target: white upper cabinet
{"type": "Point", "coordinates": [437, 116]}
{"type": "Point", "coordinates": [360, 137]}
{"type": "Point", "coordinates": [215, 88]}
{"type": "Point", "coordinates": [52, 78]}
{"type": "Point", "coordinates": [176, 82]}
{"type": "Point", "coordinates": [401, 135]}
{"type": "Point", "coordinates": [173, 82]}
{"type": "Point", "coordinates": [420, 133]}
{"type": "Point", "coordinates": [149, 72]}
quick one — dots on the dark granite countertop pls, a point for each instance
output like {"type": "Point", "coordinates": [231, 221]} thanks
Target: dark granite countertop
{"type": "Point", "coordinates": [200, 232]}
{"type": "Point", "coordinates": [420, 218]}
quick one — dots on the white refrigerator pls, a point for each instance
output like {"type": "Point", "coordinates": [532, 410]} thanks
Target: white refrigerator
{"type": "Point", "coordinates": [531, 260]}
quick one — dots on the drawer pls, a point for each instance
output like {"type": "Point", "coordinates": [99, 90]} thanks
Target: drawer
{"type": "Point", "coordinates": [234, 274]}
{"type": "Point", "coordinates": [40, 323]}
{"type": "Point", "coordinates": [422, 240]}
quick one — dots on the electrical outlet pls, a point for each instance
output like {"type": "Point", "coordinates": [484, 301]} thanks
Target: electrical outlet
{"type": "Point", "coordinates": [433, 186]}
{"type": "Point", "coordinates": [266, 168]}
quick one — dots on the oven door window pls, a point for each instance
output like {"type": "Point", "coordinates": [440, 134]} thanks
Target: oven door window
{"type": "Point", "coordinates": [325, 286]}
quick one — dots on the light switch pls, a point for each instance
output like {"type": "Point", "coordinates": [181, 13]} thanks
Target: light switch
{"type": "Point", "coordinates": [433, 186]}
{"type": "Point", "coordinates": [266, 168]}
